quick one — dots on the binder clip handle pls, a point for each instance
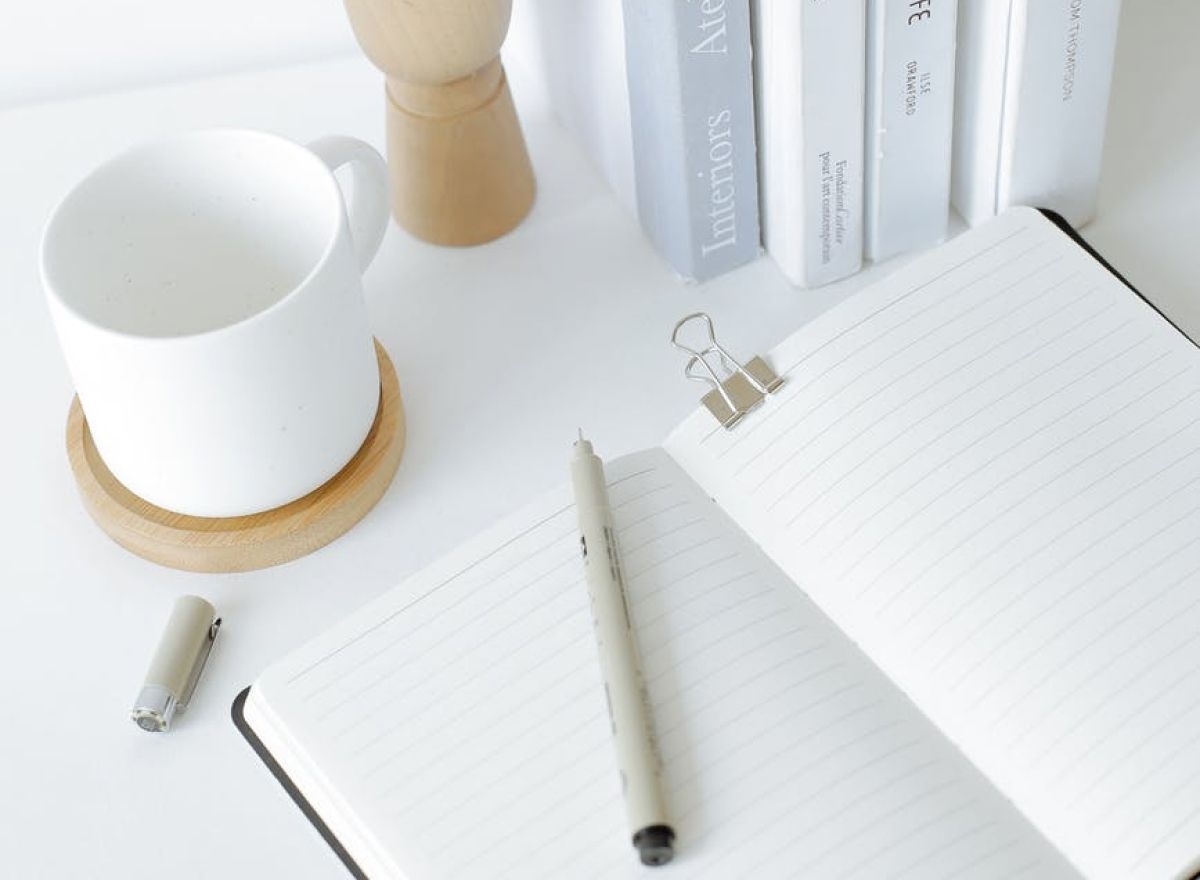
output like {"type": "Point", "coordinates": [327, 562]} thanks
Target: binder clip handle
{"type": "Point", "coordinates": [741, 387]}
{"type": "Point", "coordinates": [708, 325]}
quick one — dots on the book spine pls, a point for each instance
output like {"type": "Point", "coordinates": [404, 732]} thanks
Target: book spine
{"type": "Point", "coordinates": [983, 30]}
{"type": "Point", "coordinates": [810, 60]}
{"type": "Point", "coordinates": [1052, 141]}
{"type": "Point", "coordinates": [910, 107]}
{"type": "Point", "coordinates": [575, 46]}
{"type": "Point", "coordinates": [692, 112]}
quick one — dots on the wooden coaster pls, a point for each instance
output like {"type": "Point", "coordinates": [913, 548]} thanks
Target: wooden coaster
{"type": "Point", "coordinates": [242, 543]}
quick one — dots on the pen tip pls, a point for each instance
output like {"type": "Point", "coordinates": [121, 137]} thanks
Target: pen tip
{"type": "Point", "coordinates": [580, 430]}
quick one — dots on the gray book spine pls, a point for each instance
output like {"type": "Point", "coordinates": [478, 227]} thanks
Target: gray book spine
{"type": "Point", "coordinates": [691, 101]}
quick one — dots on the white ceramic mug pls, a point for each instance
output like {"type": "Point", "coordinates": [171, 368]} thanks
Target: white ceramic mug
{"type": "Point", "coordinates": [207, 293]}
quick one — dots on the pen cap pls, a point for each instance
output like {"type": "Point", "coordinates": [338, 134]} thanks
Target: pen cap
{"type": "Point", "coordinates": [183, 641]}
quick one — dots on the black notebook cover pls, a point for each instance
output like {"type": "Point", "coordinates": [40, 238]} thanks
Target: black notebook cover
{"type": "Point", "coordinates": [239, 717]}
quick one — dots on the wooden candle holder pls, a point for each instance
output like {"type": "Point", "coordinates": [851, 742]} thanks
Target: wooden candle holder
{"type": "Point", "coordinates": [459, 168]}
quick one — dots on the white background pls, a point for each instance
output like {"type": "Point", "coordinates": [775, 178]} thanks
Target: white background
{"type": "Point", "coordinates": [502, 350]}
{"type": "Point", "coordinates": [56, 48]}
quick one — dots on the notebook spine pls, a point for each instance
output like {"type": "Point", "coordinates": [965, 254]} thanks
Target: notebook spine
{"type": "Point", "coordinates": [910, 106]}
{"type": "Point", "coordinates": [692, 112]}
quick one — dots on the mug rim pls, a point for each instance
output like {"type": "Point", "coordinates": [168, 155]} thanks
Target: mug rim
{"type": "Point", "coordinates": [328, 184]}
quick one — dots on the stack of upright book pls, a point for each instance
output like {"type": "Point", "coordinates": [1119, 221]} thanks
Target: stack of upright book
{"type": "Point", "coordinates": [829, 131]}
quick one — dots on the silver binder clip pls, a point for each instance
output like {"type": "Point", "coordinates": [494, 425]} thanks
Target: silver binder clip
{"type": "Point", "coordinates": [736, 388]}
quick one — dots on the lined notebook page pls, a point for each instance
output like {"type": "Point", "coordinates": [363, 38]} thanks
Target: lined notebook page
{"type": "Point", "coordinates": [987, 471]}
{"type": "Point", "coordinates": [457, 727]}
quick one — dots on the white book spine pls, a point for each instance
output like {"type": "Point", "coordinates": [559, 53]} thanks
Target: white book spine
{"type": "Point", "coordinates": [1031, 105]}
{"type": "Point", "coordinates": [910, 107]}
{"type": "Point", "coordinates": [809, 59]}
{"type": "Point", "coordinates": [1053, 138]}
{"type": "Point", "coordinates": [578, 49]}
{"type": "Point", "coordinates": [978, 106]}
{"type": "Point", "coordinates": [659, 96]}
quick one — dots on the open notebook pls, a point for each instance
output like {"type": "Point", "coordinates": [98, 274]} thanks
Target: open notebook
{"type": "Point", "coordinates": [932, 611]}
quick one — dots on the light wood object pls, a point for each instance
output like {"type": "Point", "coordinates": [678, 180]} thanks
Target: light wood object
{"type": "Point", "coordinates": [459, 168]}
{"type": "Point", "coordinates": [242, 543]}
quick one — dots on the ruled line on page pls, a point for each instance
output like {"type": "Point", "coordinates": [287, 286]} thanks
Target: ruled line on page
{"type": "Point", "coordinates": [474, 564]}
{"type": "Point", "coordinates": [627, 552]}
{"type": "Point", "coordinates": [876, 366]}
{"type": "Point", "coordinates": [416, 600]}
{"type": "Point", "coordinates": [1131, 824]}
{"type": "Point", "coordinates": [1119, 761]}
{"type": "Point", "coordinates": [1076, 465]}
{"type": "Point", "coordinates": [645, 596]}
{"type": "Point", "coordinates": [568, 676]}
{"type": "Point", "coordinates": [1165, 760]}
{"type": "Point", "coordinates": [989, 434]}
{"type": "Point", "coordinates": [751, 737]}
{"type": "Point", "coordinates": [650, 653]}
{"type": "Point", "coordinates": [817, 760]}
{"type": "Point", "coordinates": [715, 700]}
{"type": "Point", "coordinates": [523, 660]}
{"type": "Point", "coordinates": [1112, 694]}
{"type": "Point", "coordinates": [870, 317]}
{"type": "Point", "coordinates": [657, 597]}
{"type": "Point", "coordinates": [762, 829]}
{"type": "Point", "coordinates": [635, 475]}
{"type": "Point", "coordinates": [843, 506]}
{"type": "Point", "coordinates": [647, 621]}
{"type": "Point", "coordinates": [987, 856]}
{"type": "Point", "coordinates": [930, 598]}
{"type": "Point", "coordinates": [1169, 723]}
{"type": "Point", "coordinates": [1079, 653]}
{"type": "Point", "coordinates": [1150, 850]}
{"type": "Point", "coordinates": [889, 843]}
{"type": "Point", "coordinates": [563, 865]}
{"type": "Point", "coordinates": [641, 496]}
{"type": "Point", "coordinates": [885, 786]}
{"type": "Point", "coordinates": [764, 757]}
{"type": "Point", "coordinates": [444, 694]}
{"type": "Point", "coordinates": [943, 847]}
{"type": "Point", "coordinates": [537, 717]}
{"type": "Point", "coordinates": [735, 603]}
{"type": "Point", "coordinates": [449, 744]}
{"type": "Point", "coordinates": [1133, 489]}
{"type": "Point", "coordinates": [1062, 597]}
{"type": "Point", "coordinates": [683, 551]}
{"type": "Point", "coordinates": [647, 517]}
{"type": "Point", "coordinates": [389, 672]}
{"type": "Point", "coordinates": [551, 809]}
{"type": "Point", "coordinates": [1183, 784]}
{"type": "Point", "coordinates": [547, 770]}
{"type": "Point", "coordinates": [983, 355]}
{"type": "Point", "coordinates": [1053, 541]}
{"type": "Point", "coordinates": [684, 687]}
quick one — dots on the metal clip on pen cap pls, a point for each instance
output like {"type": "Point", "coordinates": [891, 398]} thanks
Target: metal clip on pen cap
{"type": "Point", "coordinates": [736, 388]}
{"type": "Point", "coordinates": [180, 658]}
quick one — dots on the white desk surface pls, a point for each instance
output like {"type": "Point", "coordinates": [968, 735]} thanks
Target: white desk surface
{"type": "Point", "coordinates": [502, 350]}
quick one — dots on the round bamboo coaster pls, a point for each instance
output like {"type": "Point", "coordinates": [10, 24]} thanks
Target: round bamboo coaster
{"type": "Point", "coordinates": [243, 543]}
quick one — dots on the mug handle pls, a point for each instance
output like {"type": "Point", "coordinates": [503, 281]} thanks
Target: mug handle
{"type": "Point", "coordinates": [367, 205]}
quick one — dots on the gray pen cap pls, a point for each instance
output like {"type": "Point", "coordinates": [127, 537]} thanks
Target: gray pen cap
{"type": "Point", "coordinates": [177, 663]}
